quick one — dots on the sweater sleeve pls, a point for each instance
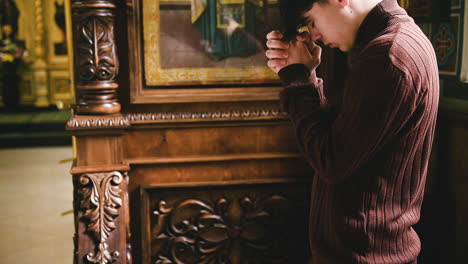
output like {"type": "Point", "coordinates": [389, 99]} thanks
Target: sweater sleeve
{"type": "Point", "coordinates": [377, 102]}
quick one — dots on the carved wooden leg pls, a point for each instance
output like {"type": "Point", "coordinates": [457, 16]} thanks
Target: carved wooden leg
{"type": "Point", "coordinates": [101, 218]}
{"type": "Point", "coordinates": [99, 171]}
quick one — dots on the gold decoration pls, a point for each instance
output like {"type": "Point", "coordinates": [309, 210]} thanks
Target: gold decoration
{"type": "Point", "coordinates": [39, 51]}
{"type": "Point", "coordinates": [40, 74]}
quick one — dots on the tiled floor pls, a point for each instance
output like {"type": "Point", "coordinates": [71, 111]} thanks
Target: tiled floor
{"type": "Point", "coordinates": [35, 189]}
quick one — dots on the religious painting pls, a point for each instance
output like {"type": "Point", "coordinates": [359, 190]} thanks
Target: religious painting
{"type": "Point", "coordinates": [207, 42]}
{"type": "Point", "coordinates": [446, 42]}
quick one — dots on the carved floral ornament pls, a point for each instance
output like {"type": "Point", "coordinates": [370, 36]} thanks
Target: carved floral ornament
{"type": "Point", "coordinates": [100, 201]}
{"type": "Point", "coordinates": [193, 231]}
{"type": "Point", "coordinates": [96, 53]}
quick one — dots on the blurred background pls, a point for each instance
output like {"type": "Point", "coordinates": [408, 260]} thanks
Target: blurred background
{"type": "Point", "coordinates": [36, 220]}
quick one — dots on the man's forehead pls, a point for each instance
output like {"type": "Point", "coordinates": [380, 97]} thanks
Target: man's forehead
{"type": "Point", "coordinates": [309, 14]}
{"type": "Point", "coordinates": [314, 10]}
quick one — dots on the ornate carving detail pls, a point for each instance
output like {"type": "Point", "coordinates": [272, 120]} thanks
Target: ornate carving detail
{"type": "Point", "coordinates": [39, 45]}
{"type": "Point", "coordinates": [78, 122]}
{"type": "Point", "coordinates": [194, 231]}
{"type": "Point", "coordinates": [97, 122]}
{"type": "Point", "coordinates": [100, 200]}
{"type": "Point", "coordinates": [206, 116]}
{"type": "Point", "coordinates": [96, 61]}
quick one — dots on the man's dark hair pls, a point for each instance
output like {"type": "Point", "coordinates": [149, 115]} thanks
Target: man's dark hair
{"type": "Point", "coordinates": [292, 13]}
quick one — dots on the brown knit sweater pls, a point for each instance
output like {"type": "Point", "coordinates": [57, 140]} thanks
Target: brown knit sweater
{"type": "Point", "coordinates": [371, 155]}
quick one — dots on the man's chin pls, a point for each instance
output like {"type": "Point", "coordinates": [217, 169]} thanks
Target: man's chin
{"type": "Point", "coordinates": [336, 46]}
{"type": "Point", "coordinates": [344, 49]}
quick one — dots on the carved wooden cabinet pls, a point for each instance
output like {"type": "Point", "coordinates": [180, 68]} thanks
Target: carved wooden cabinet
{"type": "Point", "coordinates": [174, 164]}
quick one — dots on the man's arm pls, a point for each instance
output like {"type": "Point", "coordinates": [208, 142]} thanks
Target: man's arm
{"type": "Point", "coordinates": [377, 102]}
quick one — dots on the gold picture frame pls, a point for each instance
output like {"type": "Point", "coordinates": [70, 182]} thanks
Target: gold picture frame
{"type": "Point", "coordinates": [152, 83]}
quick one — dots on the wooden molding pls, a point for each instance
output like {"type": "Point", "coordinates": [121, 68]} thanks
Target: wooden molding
{"type": "Point", "coordinates": [233, 115]}
{"type": "Point", "coordinates": [214, 158]}
{"type": "Point", "coordinates": [85, 122]}
{"type": "Point", "coordinates": [230, 183]}
{"type": "Point", "coordinates": [118, 121]}
{"type": "Point", "coordinates": [94, 169]}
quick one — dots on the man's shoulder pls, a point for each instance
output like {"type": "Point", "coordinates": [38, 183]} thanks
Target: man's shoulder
{"type": "Point", "coordinates": [403, 45]}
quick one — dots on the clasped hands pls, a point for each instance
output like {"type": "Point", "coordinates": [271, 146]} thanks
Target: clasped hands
{"type": "Point", "coordinates": [302, 50]}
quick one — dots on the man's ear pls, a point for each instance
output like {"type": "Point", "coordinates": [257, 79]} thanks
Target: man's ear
{"type": "Point", "coordinates": [343, 3]}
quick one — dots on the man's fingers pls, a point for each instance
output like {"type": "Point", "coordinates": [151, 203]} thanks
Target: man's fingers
{"type": "Point", "coordinates": [274, 64]}
{"type": "Point", "coordinates": [277, 44]}
{"type": "Point", "coordinates": [315, 50]}
{"type": "Point", "coordinates": [276, 54]}
{"type": "Point", "coordinates": [274, 35]}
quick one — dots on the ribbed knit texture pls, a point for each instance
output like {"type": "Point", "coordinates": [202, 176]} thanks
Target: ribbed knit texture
{"type": "Point", "coordinates": [370, 155]}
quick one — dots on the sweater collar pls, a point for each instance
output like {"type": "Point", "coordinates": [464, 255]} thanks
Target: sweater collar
{"type": "Point", "coordinates": [378, 19]}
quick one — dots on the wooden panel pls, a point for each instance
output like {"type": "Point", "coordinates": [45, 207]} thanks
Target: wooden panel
{"type": "Point", "coordinates": [98, 150]}
{"type": "Point", "coordinates": [209, 140]}
{"type": "Point", "coordinates": [220, 171]}
{"type": "Point", "coordinates": [225, 224]}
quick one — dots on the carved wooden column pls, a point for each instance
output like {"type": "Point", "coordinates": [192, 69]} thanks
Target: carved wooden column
{"type": "Point", "coordinates": [100, 174]}
{"type": "Point", "coordinates": [96, 63]}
